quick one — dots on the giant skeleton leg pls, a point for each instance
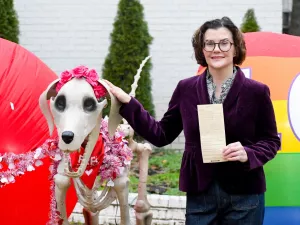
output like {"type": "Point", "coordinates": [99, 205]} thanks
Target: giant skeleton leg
{"type": "Point", "coordinates": [121, 187]}
{"type": "Point", "coordinates": [143, 151]}
{"type": "Point", "coordinates": [62, 184]}
{"type": "Point", "coordinates": [142, 206]}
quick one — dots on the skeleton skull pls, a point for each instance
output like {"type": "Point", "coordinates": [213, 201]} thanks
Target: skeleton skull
{"type": "Point", "coordinates": [77, 115]}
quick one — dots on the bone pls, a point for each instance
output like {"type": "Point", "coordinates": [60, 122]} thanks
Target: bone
{"type": "Point", "coordinates": [143, 151]}
{"type": "Point", "coordinates": [136, 80]}
{"type": "Point", "coordinates": [103, 193]}
{"type": "Point", "coordinates": [121, 188]}
{"type": "Point", "coordinates": [62, 184]}
{"type": "Point", "coordinates": [142, 206]}
{"type": "Point", "coordinates": [137, 77]}
{"type": "Point", "coordinates": [114, 117]}
{"type": "Point", "coordinates": [109, 198]}
{"type": "Point", "coordinates": [85, 197]}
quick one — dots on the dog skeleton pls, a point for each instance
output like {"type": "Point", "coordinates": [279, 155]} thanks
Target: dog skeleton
{"type": "Point", "coordinates": [77, 116]}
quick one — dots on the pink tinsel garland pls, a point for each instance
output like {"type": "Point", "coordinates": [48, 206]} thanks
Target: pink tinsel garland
{"type": "Point", "coordinates": [53, 214]}
{"type": "Point", "coordinates": [117, 153]}
{"type": "Point", "coordinates": [19, 164]}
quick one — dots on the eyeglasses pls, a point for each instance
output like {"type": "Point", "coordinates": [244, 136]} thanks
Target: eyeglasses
{"type": "Point", "coordinates": [224, 46]}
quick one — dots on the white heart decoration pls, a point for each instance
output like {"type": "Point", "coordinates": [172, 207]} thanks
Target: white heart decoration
{"type": "Point", "coordinates": [88, 172]}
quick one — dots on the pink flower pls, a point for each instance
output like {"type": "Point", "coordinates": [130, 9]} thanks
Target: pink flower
{"type": "Point", "coordinates": [92, 77]}
{"type": "Point", "coordinates": [80, 71]}
{"type": "Point", "coordinates": [66, 76]}
{"type": "Point", "coordinates": [78, 75]}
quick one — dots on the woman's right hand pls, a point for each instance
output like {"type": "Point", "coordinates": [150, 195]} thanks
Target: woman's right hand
{"type": "Point", "coordinates": [121, 95]}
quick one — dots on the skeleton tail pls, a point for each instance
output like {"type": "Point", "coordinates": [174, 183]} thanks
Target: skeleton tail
{"type": "Point", "coordinates": [136, 79]}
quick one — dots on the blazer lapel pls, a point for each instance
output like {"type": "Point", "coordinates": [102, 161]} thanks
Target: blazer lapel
{"type": "Point", "coordinates": [202, 91]}
{"type": "Point", "coordinates": [235, 89]}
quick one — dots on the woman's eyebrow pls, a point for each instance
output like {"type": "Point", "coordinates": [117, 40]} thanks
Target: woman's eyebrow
{"type": "Point", "coordinates": [224, 39]}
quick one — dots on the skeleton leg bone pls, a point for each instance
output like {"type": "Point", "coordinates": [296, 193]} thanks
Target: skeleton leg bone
{"type": "Point", "coordinates": [142, 206]}
{"type": "Point", "coordinates": [62, 184]}
{"type": "Point", "coordinates": [121, 188]}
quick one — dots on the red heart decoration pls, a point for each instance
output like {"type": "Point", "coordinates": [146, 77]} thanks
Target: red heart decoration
{"type": "Point", "coordinates": [23, 77]}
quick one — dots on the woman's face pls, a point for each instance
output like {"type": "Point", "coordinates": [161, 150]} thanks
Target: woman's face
{"type": "Point", "coordinates": [218, 56]}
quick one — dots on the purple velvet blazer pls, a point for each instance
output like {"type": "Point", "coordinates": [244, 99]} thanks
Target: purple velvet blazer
{"type": "Point", "coordinates": [249, 119]}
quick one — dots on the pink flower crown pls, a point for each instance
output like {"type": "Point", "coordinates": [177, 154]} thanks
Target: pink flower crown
{"type": "Point", "coordinates": [91, 77]}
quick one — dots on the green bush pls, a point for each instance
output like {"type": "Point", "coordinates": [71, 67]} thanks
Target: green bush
{"type": "Point", "coordinates": [9, 24]}
{"type": "Point", "coordinates": [249, 22]}
{"type": "Point", "coordinates": [130, 42]}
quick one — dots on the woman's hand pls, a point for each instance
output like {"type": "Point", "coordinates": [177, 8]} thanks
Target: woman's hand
{"type": "Point", "coordinates": [235, 152]}
{"type": "Point", "coordinates": [121, 95]}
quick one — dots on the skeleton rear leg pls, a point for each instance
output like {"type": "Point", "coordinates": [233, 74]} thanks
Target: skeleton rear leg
{"type": "Point", "coordinates": [142, 206]}
{"type": "Point", "coordinates": [121, 188]}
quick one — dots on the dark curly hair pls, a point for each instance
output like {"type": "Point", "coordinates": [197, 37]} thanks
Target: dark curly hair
{"type": "Point", "coordinates": [238, 39]}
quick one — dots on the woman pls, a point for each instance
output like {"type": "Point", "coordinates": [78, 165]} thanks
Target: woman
{"type": "Point", "coordinates": [231, 192]}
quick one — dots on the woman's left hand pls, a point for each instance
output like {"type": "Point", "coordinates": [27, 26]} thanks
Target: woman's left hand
{"type": "Point", "coordinates": [235, 152]}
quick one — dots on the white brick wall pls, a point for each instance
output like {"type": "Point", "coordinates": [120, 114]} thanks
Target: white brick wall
{"type": "Point", "coordinates": [287, 5]}
{"type": "Point", "coordinates": [65, 33]}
